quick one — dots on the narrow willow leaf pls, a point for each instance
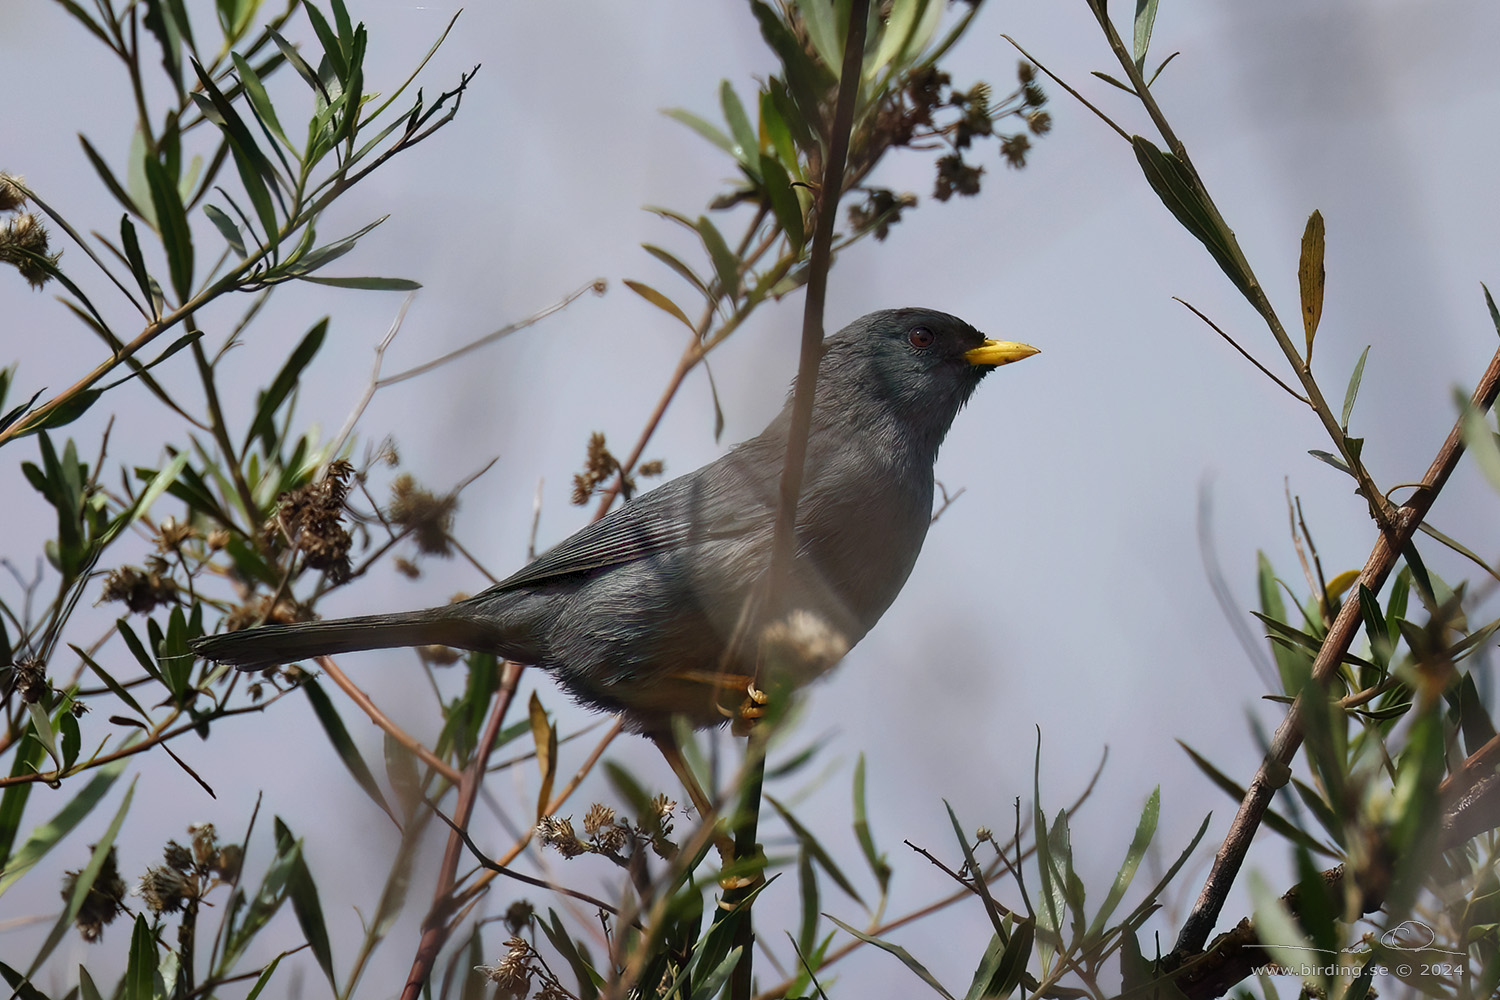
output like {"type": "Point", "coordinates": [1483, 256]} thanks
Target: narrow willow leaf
{"type": "Point", "coordinates": [1489, 301]}
{"type": "Point", "coordinates": [260, 102]}
{"type": "Point", "coordinates": [1479, 439]}
{"type": "Point", "coordinates": [1118, 83]}
{"type": "Point", "coordinates": [1145, 20]}
{"type": "Point", "coordinates": [1145, 830]}
{"type": "Point", "coordinates": [343, 744]}
{"type": "Point", "coordinates": [726, 264]}
{"type": "Point", "coordinates": [172, 226]}
{"type": "Point", "coordinates": [133, 257]}
{"type": "Point", "coordinates": [976, 871]}
{"type": "Point", "coordinates": [85, 881]}
{"type": "Point", "coordinates": [821, 22]}
{"type": "Point", "coordinates": [544, 738]}
{"type": "Point", "coordinates": [710, 132]}
{"type": "Point", "coordinates": [901, 953]}
{"type": "Point", "coordinates": [281, 387]}
{"type": "Point", "coordinates": [140, 981]}
{"type": "Point", "coordinates": [661, 302]}
{"type": "Point", "coordinates": [816, 850]}
{"type": "Point", "coordinates": [1235, 791]}
{"type": "Point", "coordinates": [365, 284]}
{"type": "Point", "coordinates": [1175, 185]}
{"type": "Point", "coordinates": [1310, 280]}
{"type": "Point", "coordinates": [1353, 390]}
{"type": "Point", "coordinates": [303, 893]}
{"type": "Point", "coordinates": [879, 867]}
{"type": "Point", "coordinates": [747, 149]}
{"type": "Point", "coordinates": [784, 201]}
{"type": "Point", "coordinates": [227, 228]}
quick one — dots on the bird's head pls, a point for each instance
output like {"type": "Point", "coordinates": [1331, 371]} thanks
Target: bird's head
{"type": "Point", "coordinates": [916, 364]}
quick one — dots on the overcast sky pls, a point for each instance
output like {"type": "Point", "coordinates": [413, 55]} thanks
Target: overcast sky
{"type": "Point", "coordinates": [1065, 590]}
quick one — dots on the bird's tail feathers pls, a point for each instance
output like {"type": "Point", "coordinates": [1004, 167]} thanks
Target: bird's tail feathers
{"type": "Point", "coordinates": [269, 645]}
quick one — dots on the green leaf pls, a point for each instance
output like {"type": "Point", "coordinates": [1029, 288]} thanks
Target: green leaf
{"type": "Point", "coordinates": [784, 201]}
{"type": "Point", "coordinates": [263, 426]}
{"type": "Point", "coordinates": [137, 262]}
{"type": "Point", "coordinates": [172, 226]}
{"type": "Point", "coordinates": [303, 892]}
{"type": "Point", "coordinates": [141, 977]}
{"type": "Point", "coordinates": [43, 733]}
{"type": "Point", "coordinates": [264, 978]}
{"type": "Point", "coordinates": [901, 953]}
{"type": "Point", "coordinates": [343, 744]}
{"type": "Point", "coordinates": [13, 798]}
{"type": "Point", "coordinates": [682, 269]}
{"type": "Point", "coordinates": [1111, 80]}
{"type": "Point", "coordinates": [1145, 830]}
{"type": "Point", "coordinates": [1179, 190]}
{"type": "Point", "coordinates": [708, 131]}
{"type": "Point", "coordinates": [227, 229]}
{"type": "Point", "coordinates": [1353, 390]}
{"type": "Point", "coordinates": [726, 264]}
{"type": "Point", "coordinates": [879, 867]}
{"type": "Point", "coordinates": [661, 302]}
{"type": "Point", "coordinates": [1235, 791]}
{"type": "Point", "coordinates": [365, 284]}
{"type": "Point", "coordinates": [821, 21]}
{"type": "Point", "coordinates": [260, 102]}
{"type": "Point", "coordinates": [747, 148]}
{"type": "Point", "coordinates": [1310, 280]}
{"type": "Point", "coordinates": [815, 849]}
{"type": "Point", "coordinates": [86, 877]}
{"type": "Point", "coordinates": [774, 125]}
{"type": "Point", "coordinates": [1145, 19]}
{"type": "Point", "coordinates": [1480, 441]}
{"type": "Point", "coordinates": [256, 172]}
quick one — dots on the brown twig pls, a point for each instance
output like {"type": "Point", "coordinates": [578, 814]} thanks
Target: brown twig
{"type": "Point", "coordinates": [436, 928]}
{"type": "Point", "coordinates": [357, 695]}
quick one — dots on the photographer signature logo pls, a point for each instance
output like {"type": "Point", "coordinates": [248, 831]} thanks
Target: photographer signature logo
{"type": "Point", "coordinates": [1408, 935]}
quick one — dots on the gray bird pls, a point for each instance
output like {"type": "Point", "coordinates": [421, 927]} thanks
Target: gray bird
{"type": "Point", "coordinates": [647, 611]}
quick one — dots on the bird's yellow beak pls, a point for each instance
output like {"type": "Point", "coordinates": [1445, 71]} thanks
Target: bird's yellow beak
{"type": "Point", "coordinates": [999, 352]}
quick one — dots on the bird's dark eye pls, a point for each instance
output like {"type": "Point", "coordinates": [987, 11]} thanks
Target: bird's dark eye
{"type": "Point", "coordinates": [920, 337]}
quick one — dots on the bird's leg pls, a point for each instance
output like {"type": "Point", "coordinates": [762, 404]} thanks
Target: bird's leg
{"type": "Point", "coordinates": [667, 744]}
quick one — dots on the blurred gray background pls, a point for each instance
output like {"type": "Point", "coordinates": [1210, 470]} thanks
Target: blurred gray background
{"type": "Point", "coordinates": [1063, 593]}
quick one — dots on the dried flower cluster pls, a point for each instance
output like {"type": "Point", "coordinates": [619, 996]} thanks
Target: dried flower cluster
{"type": "Point", "coordinates": [513, 974]}
{"type": "Point", "coordinates": [23, 238]}
{"type": "Point", "coordinates": [311, 518]}
{"type": "Point", "coordinates": [189, 873]}
{"type": "Point", "coordinates": [141, 590]}
{"type": "Point", "coordinates": [600, 465]}
{"type": "Point", "coordinates": [105, 899]}
{"type": "Point", "coordinates": [426, 515]}
{"type": "Point", "coordinates": [610, 836]}
{"type": "Point", "coordinates": [928, 113]}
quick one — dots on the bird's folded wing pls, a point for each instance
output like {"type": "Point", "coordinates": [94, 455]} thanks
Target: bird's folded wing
{"type": "Point", "coordinates": [683, 512]}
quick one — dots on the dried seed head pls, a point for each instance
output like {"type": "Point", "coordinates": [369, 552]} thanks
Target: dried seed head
{"type": "Point", "coordinates": [597, 818]}
{"type": "Point", "coordinates": [11, 197]}
{"type": "Point", "coordinates": [311, 519]}
{"type": "Point", "coordinates": [427, 516]}
{"type": "Point", "coordinates": [105, 898]}
{"type": "Point", "coordinates": [164, 889]}
{"type": "Point", "coordinates": [141, 590]}
{"type": "Point", "coordinates": [558, 834]}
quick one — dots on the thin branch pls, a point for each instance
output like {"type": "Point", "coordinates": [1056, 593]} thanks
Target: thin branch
{"type": "Point", "coordinates": [1246, 354]}
{"type": "Point", "coordinates": [1063, 84]}
{"type": "Point", "coordinates": [401, 736]}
